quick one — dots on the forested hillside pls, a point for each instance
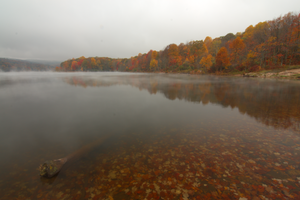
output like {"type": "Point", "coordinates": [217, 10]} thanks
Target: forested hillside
{"type": "Point", "coordinates": [22, 65]}
{"type": "Point", "coordinates": [267, 45]}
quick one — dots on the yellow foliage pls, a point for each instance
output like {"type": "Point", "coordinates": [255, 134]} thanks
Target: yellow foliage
{"type": "Point", "coordinates": [154, 54]}
{"type": "Point", "coordinates": [206, 61]}
{"type": "Point", "coordinates": [153, 64]}
{"type": "Point", "coordinates": [173, 50]}
{"type": "Point", "coordinates": [191, 59]}
{"type": "Point", "coordinates": [186, 62]}
{"type": "Point", "coordinates": [93, 61]}
{"type": "Point", "coordinates": [249, 32]}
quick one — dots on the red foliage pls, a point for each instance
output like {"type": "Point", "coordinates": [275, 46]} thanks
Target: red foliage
{"type": "Point", "coordinates": [240, 67]}
{"type": "Point", "coordinates": [255, 68]}
{"type": "Point", "coordinates": [74, 65]}
{"type": "Point", "coordinates": [80, 62]}
{"type": "Point", "coordinates": [131, 68]}
{"type": "Point", "coordinates": [222, 59]}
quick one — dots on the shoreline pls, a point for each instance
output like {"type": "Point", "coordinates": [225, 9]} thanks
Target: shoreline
{"type": "Point", "coordinates": [293, 74]}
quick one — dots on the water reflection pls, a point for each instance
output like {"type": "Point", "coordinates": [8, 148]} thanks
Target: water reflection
{"type": "Point", "coordinates": [173, 136]}
{"type": "Point", "coordinates": [273, 103]}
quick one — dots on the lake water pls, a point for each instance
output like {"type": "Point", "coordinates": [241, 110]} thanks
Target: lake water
{"type": "Point", "coordinates": [170, 136]}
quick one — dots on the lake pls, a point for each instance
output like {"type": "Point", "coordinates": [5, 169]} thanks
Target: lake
{"type": "Point", "coordinates": [169, 136]}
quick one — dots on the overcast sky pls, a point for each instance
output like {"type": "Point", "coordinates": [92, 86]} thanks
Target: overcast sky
{"type": "Point", "coordinates": [63, 29]}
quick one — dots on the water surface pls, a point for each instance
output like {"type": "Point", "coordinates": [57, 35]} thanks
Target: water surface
{"type": "Point", "coordinates": [172, 136]}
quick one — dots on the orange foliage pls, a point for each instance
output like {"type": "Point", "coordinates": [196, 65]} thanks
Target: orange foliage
{"type": "Point", "coordinates": [236, 46]}
{"type": "Point", "coordinates": [74, 65]}
{"type": "Point", "coordinates": [222, 59]}
{"type": "Point", "coordinates": [153, 64]}
{"type": "Point", "coordinates": [206, 61]}
{"type": "Point", "coordinates": [267, 44]}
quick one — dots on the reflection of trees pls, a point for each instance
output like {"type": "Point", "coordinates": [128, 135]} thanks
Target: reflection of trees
{"type": "Point", "coordinates": [272, 103]}
{"type": "Point", "coordinates": [205, 91]}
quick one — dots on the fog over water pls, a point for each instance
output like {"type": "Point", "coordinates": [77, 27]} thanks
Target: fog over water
{"type": "Point", "coordinates": [64, 108]}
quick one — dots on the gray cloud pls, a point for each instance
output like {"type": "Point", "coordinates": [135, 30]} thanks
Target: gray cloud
{"type": "Point", "coordinates": [63, 29]}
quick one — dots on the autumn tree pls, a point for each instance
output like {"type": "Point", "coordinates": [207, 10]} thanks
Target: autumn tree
{"type": "Point", "coordinates": [154, 55]}
{"type": "Point", "coordinates": [84, 65]}
{"type": "Point", "coordinates": [173, 53]}
{"type": "Point", "coordinates": [294, 41]}
{"type": "Point", "coordinates": [260, 32]}
{"type": "Point", "coordinates": [184, 50]}
{"type": "Point", "coordinates": [227, 38]}
{"type": "Point", "coordinates": [74, 66]}
{"type": "Point", "coordinates": [173, 50]}
{"type": "Point", "coordinates": [248, 32]}
{"type": "Point", "coordinates": [222, 59]}
{"type": "Point", "coordinates": [208, 42]}
{"type": "Point", "coordinates": [206, 62]}
{"type": "Point", "coordinates": [236, 47]}
{"type": "Point", "coordinates": [186, 63]}
{"type": "Point", "coordinates": [93, 63]}
{"type": "Point", "coordinates": [252, 58]}
{"type": "Point", "coordinates": [80, 62]}
{"type": "Point", "coordinates": [215, 46]}
{"type": "Point", "coordinates": [198, 48]}
{"type": "Point", "coordinates": [153, 64]}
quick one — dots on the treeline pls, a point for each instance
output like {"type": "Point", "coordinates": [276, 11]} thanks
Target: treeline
{"type": "Point", "coordinates": [269, 44]}
{"type": "Point", "coordinates": [7, 65]}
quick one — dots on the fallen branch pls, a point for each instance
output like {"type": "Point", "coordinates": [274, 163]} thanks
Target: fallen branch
{"type": "Point", "coordinates": [52, 167]}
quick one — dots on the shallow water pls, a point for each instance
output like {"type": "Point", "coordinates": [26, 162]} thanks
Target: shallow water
{"type": "Point", "coordinates": [171, 136]}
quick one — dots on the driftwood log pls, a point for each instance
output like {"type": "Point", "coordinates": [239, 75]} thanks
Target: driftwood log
{"type": "Point", "coordinates": [51, 168]}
